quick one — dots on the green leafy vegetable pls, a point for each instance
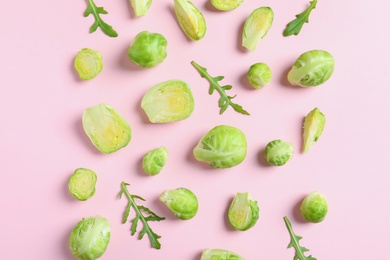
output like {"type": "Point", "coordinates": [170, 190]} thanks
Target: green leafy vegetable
{"type": "Point", "coordinates": [295, 26]}
{"type": "Point", "coordinates": [225, 101]}
{"type": "Point", "coordinates": [299, 250]}
{"type": "Point", "coordinates": [140, 211]}
{"type": "Point", "coordinates": [95, 11]}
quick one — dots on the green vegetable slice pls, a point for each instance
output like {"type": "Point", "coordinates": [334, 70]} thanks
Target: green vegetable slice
{"type": "Point", "coordinates": [243, 211]}
{"type": "Point", "coordinates": [191, 20]}
{"type": "Point", "coordinates": [82, 183]}
{"type": "Point", "coordinates": [313, 126]}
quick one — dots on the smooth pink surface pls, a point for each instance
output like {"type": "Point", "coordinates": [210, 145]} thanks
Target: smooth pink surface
{"type": "Point", "coordinates": [42, 140]}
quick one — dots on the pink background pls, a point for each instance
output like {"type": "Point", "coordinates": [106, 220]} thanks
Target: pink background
{"type": "Point", "coordinates": [42, 140]}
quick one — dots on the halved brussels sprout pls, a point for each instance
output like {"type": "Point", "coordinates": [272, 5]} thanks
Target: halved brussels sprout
{"type": "Point", "coordinates": [181, 201]}
{"type": "Point", "coordinates": [311, 69]}
{"type": "Point", "coordinates": [313, 126]}
{"type": "Point", "coordinates": [278, 152]}
{"type": "Point", "coordinates": [82, 183]}
{"type": "Point", "coordinates": [154, 160]}
{"type": "Point", "coordinates": [226, 5]}
{"type": "Point", "coordinates": [168, 101]}
{"type": "Point", "coordinates": [256, 27]}
{"type": "Point", "coordinates": [88, 63]}
{"type": "Point", "coordinates": [191, 20]}
{"type": "Point", "coordinates": [259, 75]}
{"type": "Point", "coordinates": [314, 207]}
{"type": "Point", "coordinates": [90, 237]}
{"type": "Point", "coordinates": [243, 211]}
{"type": "Point", "coordinates": [148, 49]}
{"type": "Point", "coordinates": [219, 254]}
{"type": "Point", "coordinates": [222, 147]}
{"type": "Point", "coordinates": [140, 7]}
{"type": "Point", "coordinates": [107, 129]}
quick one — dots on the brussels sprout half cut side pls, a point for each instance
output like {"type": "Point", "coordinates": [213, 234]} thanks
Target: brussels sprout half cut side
{"type": "Point", "coordinates": [181, 202]}
{"type": "Point", "coordinates": [314, 207]}
{"type": "Point", "coordinates": [313, 126]}
{"type": "Point", "coordinates": [88, 63]}
{"type": "Point", "coordinates": [191, 20]}
{"type": "Point", "coordinates": [82, 183]}
{"type": "Point", "coordinates": [219, 254]}
{"type": "Point", "coordinates": [140, 7]}
{"type": "Point", "coordinates": [243, 212]}
{"type": "Point", "coordinates": [226, 5]}
{"type": "Point", "coordinates": [154, 160]}
{"type": "Point", "coordinates": [278, 152]}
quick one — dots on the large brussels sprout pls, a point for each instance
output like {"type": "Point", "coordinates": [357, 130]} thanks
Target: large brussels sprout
{"type": "Point", "coordinates": [107, 129]}
{"type": "Point", "coordinates": [82, 183]}
{"type": "Point", "coordinates": [88, 63]}
{"type": "Point", "coordinates": [256, 27]}
{"type": "Point", "coordinates": [313, 126]}
{"type": "Point", "coordinates": [181, 201]}
{"type": "Point", "coordinates": [148, 49]}
{"type": "Point", "coordinates": [243, 211]}
{"type": "Point", "coordinates": [226, 5]}
{"type": "Point", "coordinates": [191, 20]}
{"type": "Point", "coordinates": [154, 160]}
{"type": "Point", "coordinates": [90, 238]}
{"type": "Point", "coordinates": [259, 75]}
{"type": "Point", "coordinates": [312, 68]}
{"type": "Point", "coordinates": [140, 7]}
{"type": "Point", "coordinates": [219, 254]}
{"type": "Point", "coordinates": [314, 207]}
{"type": "Point", "coordinates": [168, 101]}
{"type": "Point", "coordinates": [222, 147]}
{"type": "Point", "coordinates": [278, 152]}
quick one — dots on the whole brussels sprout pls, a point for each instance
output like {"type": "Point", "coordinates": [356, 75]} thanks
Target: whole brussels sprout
{"type": "Point", "coordinates": [148, 49]}
{"type": "Point", "coordinates": [243, 211]}
{"type": "Point", "coordinates": [181, 201]}
{"type": "Point", "coordinates": [154, 160]}
{"type": "Point", "coordinates": [312, 68]}
{"type": "Point", "coordinates": [314, 207]}
{"type": "Point", "coordinates": [219, 254]}
{"type": "Point", "coordinates": [88, 63]}
{"type": "Point", "coordinates": [82, 183]}
{"type": "Point", "coordinates": [226, 5]}
{"type": "Point", "coordinates": [90, 237]}
{"type": "Point", "coordinates": [259, 75]}
{"type": "Point", "coordinates": [278, 152]}
{"type": "Point", "coordinates": [222, 147]}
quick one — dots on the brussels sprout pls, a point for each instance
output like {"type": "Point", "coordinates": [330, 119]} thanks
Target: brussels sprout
{"type": "Point", "coordinates": [314, 207]}
{"type": "Point", "coordinates": [222, 147]}
{"type": "Point", "coordinates": [219, 254]}
{"type": "Point", "coordinates": [313, 126]}
{"type": "Point", "coordinates": [140, 7]}
{"type": "Point", "coordinates": [181, 201]}
{"type": "Point", "coordinates": [88, 63]}
{"type": "Point", "coordinates": [82, 183]}
{"type": "Point", "coordinates": [90, 238]}
{"type": "Point", "coordinates": [243, 212]}
{"type": "Point", "coordinates": [191, 20]}
{"type": "Point", "coordinates": [256, 27]}
{"type": "Point", "coordinates": [259, 75]}
{"type": "Point", "coordinates": [226, 5]}
{"type": "Point", "coordinates": [154, 160]}
{"type": "Point", "coordinates": [278, 152]}
{"type": "Point", "coordinates": [168, 101]}
{"type": "Point", "coordinates": [148, 49]}
{"type": "Point", "coordinates": [107, 130]}
{"type": "Point", "coordinates": [312, 68]}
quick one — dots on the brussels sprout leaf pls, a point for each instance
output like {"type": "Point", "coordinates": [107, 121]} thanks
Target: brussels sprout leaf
{"type": "Point", "coordinates": [299, 250]}
{"type": "Point", "coordinates": [225, 101]}
{"type": "Point", "coordinates": [95, 11]}
{"type": "Point", "coordinates": [295, 26]}
{"type": "Point", "coordinates": [140, 211]}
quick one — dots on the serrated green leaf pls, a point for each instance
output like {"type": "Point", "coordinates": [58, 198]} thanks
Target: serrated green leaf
{"type": "Point", "coordinates": [96, 11]}
{"type": "Point", "coordinates": [295, 26]}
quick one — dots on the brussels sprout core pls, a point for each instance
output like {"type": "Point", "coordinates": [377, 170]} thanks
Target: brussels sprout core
{"type": "Point", "coordinates": [219, 254]}
{"type": "Point", "coordinates": [278, 152]}
{"type": "Point", "coordinates": [191, 20]}
{"type": "Point", "coordinates": [226, 5]}
{"type": "Point", "coordinates": [243, 212]}
{"type": "Point", "coordinates": [314, 207]}
{"type": "Point", "coordinates": [181, 201]}
{"type": "Point", "coordinates": [154, 160]}
{"type": "Point", "coordinates": [82, 183]}
{"type": "Point", "coordinates": [259, 75]}
{"type": "Point", "coordinates": [88, 63]}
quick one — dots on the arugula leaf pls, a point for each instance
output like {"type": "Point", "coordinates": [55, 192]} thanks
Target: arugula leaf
{"type": "Point", "coordinates": [140, 211]}
{"type": "Point", "coordinates": [95, 11]}
{"type": "Point", "coordinates": [295, 26]}
{"type": "Point", "coordinates": [299, 250]}
{"type": "Point", "coordinates": [225, 101]}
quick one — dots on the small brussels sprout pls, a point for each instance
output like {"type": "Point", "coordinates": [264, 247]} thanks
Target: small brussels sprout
{"type": "Point", "coordinates": [278, 152]}
{"type": "Point", "coordinates": [313, 126]}
{"type": "Point", "coordinates": [243, 212]}
{"type": "Point", "coordinates": [90, 238]}
{"type": "Point", "coordinates": [168, 101]}
{"type": "Point", "coordinates": [88, 63]}
{"type": "Point", "coordinates": [226, 5]}
{"type": "Point", "coordinates": [181, 201]}
{"type": "Point", "coordinates": [219, 254]}
{"type": "Point", "coordinates": [140, 7]}
{"type": "Point", "coordinates": [314, 207]}
{"type": "Point", "coordinates": [312, 68]}
{"type": "Point", "coordinates": [82, 183]}
{"type": "Point", "coordinates": [256, 27]}
{"type": "Point", "coordinates": [191, 20]}
{"type": "Point", "coordinates": [154, 160]}
{"type": "Point", "coordinates": [106, 129]}
{"type": "Point", "coordinates": [222, 147]}
{"type": "Point", "coordinates": [148, 49]}
{"type": "Point", "coordinates": [259, 75]}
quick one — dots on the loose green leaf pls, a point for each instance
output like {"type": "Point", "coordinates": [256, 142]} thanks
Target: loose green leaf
{"type": "Point", "coordinates": [295, 26]}
{"type": "Point", "coordinates": [299, 250]}
{"type": "Point", "coordinates": [140, 211]}
{"type": "Point", "coordinates": [225, 101]}
{"type": "Point", "coordinates": [96, 11]}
